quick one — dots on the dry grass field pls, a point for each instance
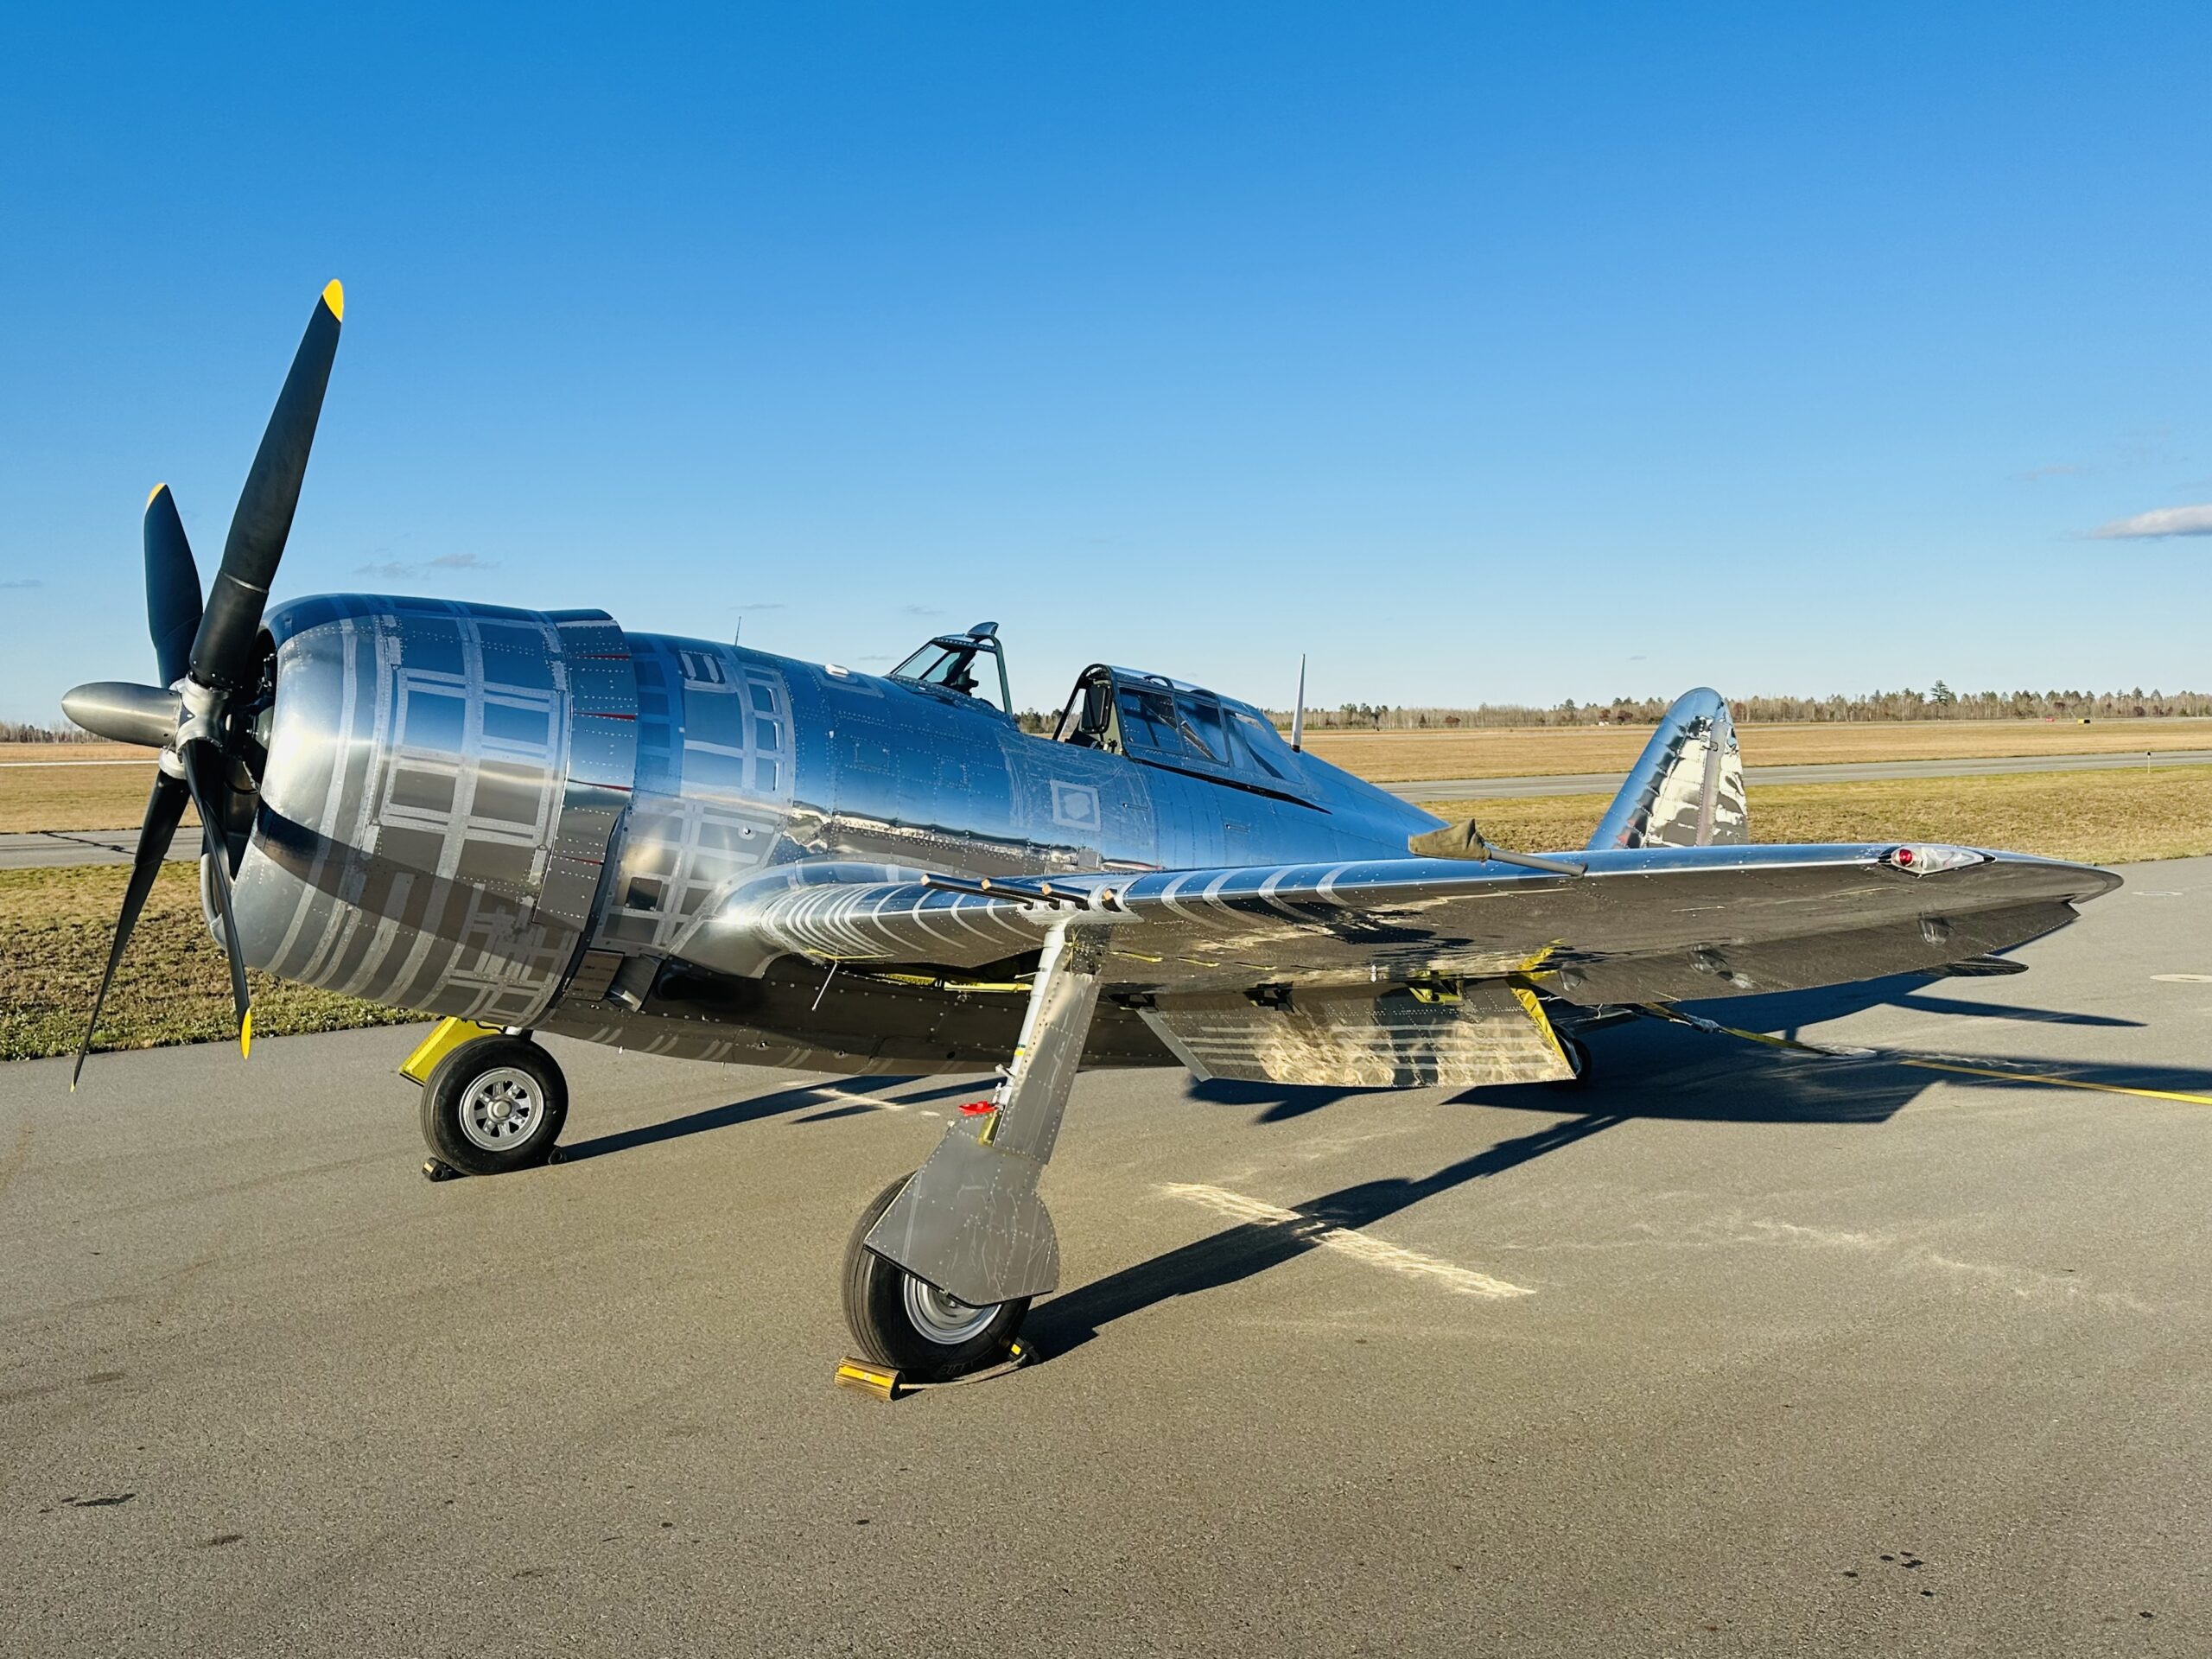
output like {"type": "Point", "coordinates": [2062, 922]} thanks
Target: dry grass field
{"type": "Point", "coordinates": [1537, 752]}
{"type": "Point", "coordinates": [2099, 817]}
{"type": "Point", "coordinates": [173, 987]}
{"type": "Point", "coordinates": [54, 923]}
{"type": "Point", "coordinates": [44, 796]}
{"type": "Point", "coordinates": [37, 794]}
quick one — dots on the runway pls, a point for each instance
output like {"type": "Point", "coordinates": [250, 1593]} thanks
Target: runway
{"type": "Point", "coordinates": [1857, 772]}
{"type": "Point", "coordinates": [1732, 1352]}
{"type": "Point", "coordinates": [39, 849]}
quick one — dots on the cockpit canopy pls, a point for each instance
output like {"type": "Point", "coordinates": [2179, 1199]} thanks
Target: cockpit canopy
{"type": "Point", "coordinates": [950, 663]}
{"type": "Point", "coordinates": [1165, 722]}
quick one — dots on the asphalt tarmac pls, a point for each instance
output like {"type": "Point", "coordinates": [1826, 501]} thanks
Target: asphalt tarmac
{"type": "Point", "coordinates": [1731, 1352]}
{"type": "Point", "coordinates": [41, 850]}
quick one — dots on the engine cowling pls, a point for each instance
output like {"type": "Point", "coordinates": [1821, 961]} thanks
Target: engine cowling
{"type": "Point", "coordinates": [443, 782]}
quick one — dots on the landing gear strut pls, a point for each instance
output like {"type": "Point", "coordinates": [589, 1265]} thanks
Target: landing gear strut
{"type": "Point", "coordinates": [495, 1104]}
{"type": "Point", "coordinates": [944, 1264]}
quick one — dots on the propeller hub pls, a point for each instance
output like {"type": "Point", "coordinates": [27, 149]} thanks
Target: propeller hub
{"type": "Point", "coordinates": [123, 713]}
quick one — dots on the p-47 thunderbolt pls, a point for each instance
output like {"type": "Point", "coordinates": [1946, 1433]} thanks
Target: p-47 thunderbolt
{"type": "Point", "coordinates": [534, 821]}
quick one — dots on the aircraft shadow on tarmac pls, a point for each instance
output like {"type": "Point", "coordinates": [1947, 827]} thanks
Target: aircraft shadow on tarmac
{"type": "Point", "coordinates": [1651, 1070]}
{"type": "Point", "coordinates": [833, 1100]}
{"type": "Point", "coordinates": [1253, 1247]}
{"type": "Point", "coordinates": [1644, 1070]}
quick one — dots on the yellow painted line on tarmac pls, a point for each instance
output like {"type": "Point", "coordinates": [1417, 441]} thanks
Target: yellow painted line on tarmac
{"type": "Point", "coordinates": [2059, 1082]}
{"type": "Point", "coordinates": [1676, 1016]}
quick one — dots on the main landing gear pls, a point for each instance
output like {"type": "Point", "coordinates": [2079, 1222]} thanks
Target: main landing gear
{"type": "Point", "coordinates": [942, 1265]}
{"type": "Point", "coordinates": [493, 1104]}
{"type": "Point", "coordinates": [925, 1334]}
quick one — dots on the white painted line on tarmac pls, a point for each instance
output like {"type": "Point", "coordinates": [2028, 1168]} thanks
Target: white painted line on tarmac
{"type": "Point", "coordinates": [1327, 1235]}
{"type": "Point", "coordinates": [878, 1101]}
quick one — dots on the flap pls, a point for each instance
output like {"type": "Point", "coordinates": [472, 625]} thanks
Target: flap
{"type": "Point", "coordinates": [1484, 1032]}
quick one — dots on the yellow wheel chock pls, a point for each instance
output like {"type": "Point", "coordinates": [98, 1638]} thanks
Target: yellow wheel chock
{"type": "Point", "coordinates": [886, 1383]}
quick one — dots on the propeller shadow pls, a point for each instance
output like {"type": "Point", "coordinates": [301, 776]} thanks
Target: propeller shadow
{"type": "Point", "coordinates": [831, 1096]}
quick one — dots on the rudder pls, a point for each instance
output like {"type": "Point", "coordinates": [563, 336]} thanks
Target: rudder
{"type": "Point", "coordinates": [1687, 788]}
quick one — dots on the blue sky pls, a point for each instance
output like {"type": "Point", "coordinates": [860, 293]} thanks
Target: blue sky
{"type": "Point", "coordinates": [1506, 352]}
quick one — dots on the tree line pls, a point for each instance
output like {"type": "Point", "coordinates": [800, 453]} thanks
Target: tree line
{"type": "Point", "coordinates": [1939, 702]}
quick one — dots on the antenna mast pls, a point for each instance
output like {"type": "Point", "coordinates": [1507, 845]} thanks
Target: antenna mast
{"type": "Point", "coordinates": [1298, 714]}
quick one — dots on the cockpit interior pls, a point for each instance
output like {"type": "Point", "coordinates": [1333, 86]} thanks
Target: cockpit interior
{"type": "Point", "coordinates": [1164, 723]}
{"type": "Point", "coordinates": [950, 661]}
{"type": "Point", "coordinates": [1147, 717]}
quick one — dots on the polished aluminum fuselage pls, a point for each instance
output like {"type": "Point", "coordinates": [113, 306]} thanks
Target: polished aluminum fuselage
{"type": "Point", "coordinates": [536, 819]}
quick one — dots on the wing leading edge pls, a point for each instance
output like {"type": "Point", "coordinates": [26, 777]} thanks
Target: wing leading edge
{"type": "Point", "coordinates": [1641, 924]}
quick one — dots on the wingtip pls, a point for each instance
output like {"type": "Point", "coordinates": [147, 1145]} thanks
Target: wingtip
{"type": "Point", "coordinates": [333, 295]}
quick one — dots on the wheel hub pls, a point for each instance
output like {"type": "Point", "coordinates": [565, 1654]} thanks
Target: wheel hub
{"type": "Point", "coordinates": [944, 1317]}
{"type": "Point", "coordinates": [500, 1109]}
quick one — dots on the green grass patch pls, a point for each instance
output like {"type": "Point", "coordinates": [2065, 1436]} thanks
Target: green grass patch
{"type": "Point", "coordinates": [173, 986]}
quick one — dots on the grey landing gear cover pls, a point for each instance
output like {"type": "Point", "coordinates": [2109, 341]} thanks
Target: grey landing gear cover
{"type": "Point", "coordinates": [945, 1262]}
{"type": "Point", "coordinates": [925, 1334]}
{"type": "Point", "coordinates": [494, 1104]}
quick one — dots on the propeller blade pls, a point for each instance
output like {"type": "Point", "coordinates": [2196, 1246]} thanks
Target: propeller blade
{"type": "Point", "coordinates": [164, 808]}
{"type": "Point", "coordinates": [172, 586]}
{"type": "Point", "coordinates": [200, 758]}
{"type": "Point", "coordinates": [223, 648]}
{"type": "Point", "coordinates": [123, 713]}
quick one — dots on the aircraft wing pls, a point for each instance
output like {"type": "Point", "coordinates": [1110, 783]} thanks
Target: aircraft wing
{"type": "Point", "coordinates": [1642, 925]}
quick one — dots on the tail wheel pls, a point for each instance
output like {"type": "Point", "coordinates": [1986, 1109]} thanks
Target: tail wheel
{"type": "Point", "coordinates": [909, 1324]}
{"type": "Point", "coordinates": [493, 1105]}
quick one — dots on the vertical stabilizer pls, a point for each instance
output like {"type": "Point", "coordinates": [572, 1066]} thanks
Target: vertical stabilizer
{"type": "Point", "coordinates": [1687, 788]}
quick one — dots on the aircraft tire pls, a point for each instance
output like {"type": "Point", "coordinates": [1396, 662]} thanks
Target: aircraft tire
{"type": "Point", "coordinates": [494, 1105]}
{"type": "Point", "coordinates": [1577, 1056]}
{"type": "Point", "coordinates": [905, 1323]}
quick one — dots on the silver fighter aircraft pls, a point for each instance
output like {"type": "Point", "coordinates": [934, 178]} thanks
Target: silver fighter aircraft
{"type": "Point", "coordinates": [532, 821]}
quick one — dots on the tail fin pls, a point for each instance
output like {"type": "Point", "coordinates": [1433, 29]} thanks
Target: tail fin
{"type": "Point", "coordinates": [1687, 788]}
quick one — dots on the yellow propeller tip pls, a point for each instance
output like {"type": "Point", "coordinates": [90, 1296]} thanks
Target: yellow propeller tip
{"type": "Point", "coordinates": [154, 492]}
{"type": "Point", "coordinates": [246, 1036]}
{"type": "Point", "coordinates": [333, 295]}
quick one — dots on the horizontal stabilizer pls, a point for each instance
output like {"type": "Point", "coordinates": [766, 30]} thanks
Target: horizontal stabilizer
{"type": "Point", "coordinates": [1687, 788]}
